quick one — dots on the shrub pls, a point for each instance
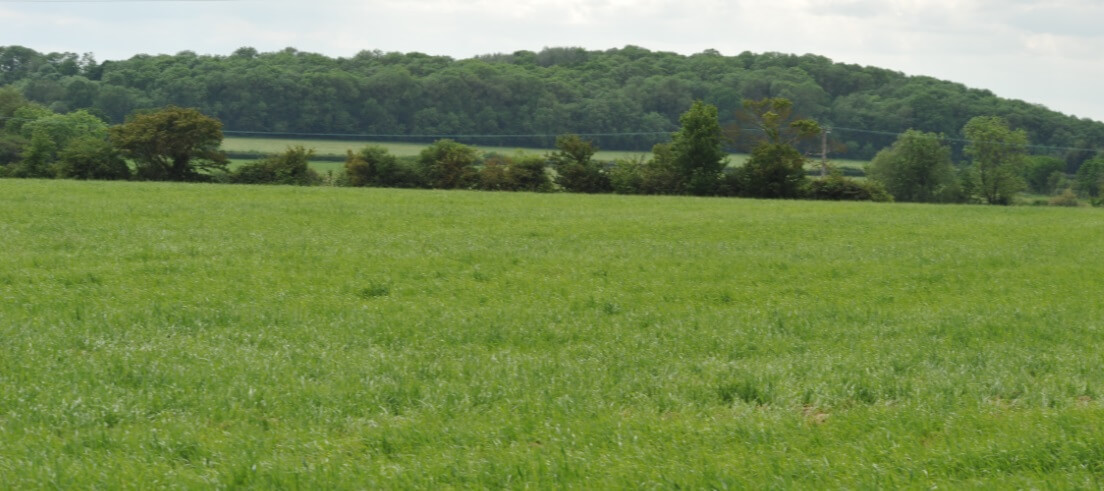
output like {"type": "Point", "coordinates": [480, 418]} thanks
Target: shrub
{"type": "Point", "coordinates": [91, 158]}
{"type": "Point", "coordinates": [838, 188]}
{"type": "Point", "coordinates": [449, 165]}
{"type": "Point", "coordinates": [373, 165]}
{"type": "Point", "coordinates": [576, 169]}
{"type": "Point", "coordinates": [625, 176]}
{"type": "Point", "coordinates": [1065, 198]}
{"type": "Point", "coordinates": [774, 170]}
{"type": "Point", "coordinates": [290, 167]}
{"type": "Point", "coordinates": [500, 173]}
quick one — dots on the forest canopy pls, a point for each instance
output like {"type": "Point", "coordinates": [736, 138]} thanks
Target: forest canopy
{"type": "Point", "coordinates": [626, 98]}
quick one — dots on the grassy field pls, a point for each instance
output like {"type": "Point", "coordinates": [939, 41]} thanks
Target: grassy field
{"type": "Point", "coordinates": [166, 335]}
{"type": "Point", "coordinates": [339, 147]}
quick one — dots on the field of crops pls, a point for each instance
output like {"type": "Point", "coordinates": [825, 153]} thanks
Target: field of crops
{"type": "Point", "coordinates": [169, 335]}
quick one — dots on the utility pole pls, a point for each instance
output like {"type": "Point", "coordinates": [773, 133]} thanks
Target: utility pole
{"type": "Point", "coordinates": [824, 151]}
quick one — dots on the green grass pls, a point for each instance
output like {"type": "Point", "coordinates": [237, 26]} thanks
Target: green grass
{"type": "Point", "coordinates": [339, 147]}
{"type": "Point", "coordinates": [161, 335]}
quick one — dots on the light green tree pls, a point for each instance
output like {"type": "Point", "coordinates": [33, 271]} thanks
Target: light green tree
{"type": "Point", "coordinates": [917, 167]}
{"type": "Point", "coordinates": [998, 155]}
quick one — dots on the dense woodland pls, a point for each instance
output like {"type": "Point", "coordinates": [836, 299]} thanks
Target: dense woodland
{"type": "Point", "coordinates": [628, 98]}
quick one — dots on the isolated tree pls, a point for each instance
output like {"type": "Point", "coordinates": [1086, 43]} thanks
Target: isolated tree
{"type": "Point", "coordinates": [998, 154]}
{"type": "Point", "coordinates": [698, 149]}
{"type": "Point", "coordinates": [917, 167]}
{"type": "Point", "coordinates": [775, 169]}
{"type": "Point", "coordinates": [171, 144]}
{"type": "Point", "coordinates": [576, 169]}
{"type": "Point", "coordinates": [91, 158]}
{"type": "Point", "coordinates": [446, 164]}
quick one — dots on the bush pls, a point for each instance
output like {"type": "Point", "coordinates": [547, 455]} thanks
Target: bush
{"type": "Point", "coordinates": [373, 165]}
{"type": "Point", "coordinates": [576, 169]}
{"type": "Point", "coordinates": [838, 188]}
{"type": "Point", "coordinates": [449, 165]}
{"type": "Point", "coordinates": [91, 158]}
{"type": "Point", "coordinates": [501, 173]}
{"type": "Point", "coordinates": [625, 176]}
{"type": "Point", "coordinates": [774, 170]}
{"type": "Point", "coordinates": [1065, 198]}
{"type": "Point", "coordinates": [289, 168]}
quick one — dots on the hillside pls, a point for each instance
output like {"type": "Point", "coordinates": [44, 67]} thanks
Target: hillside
{"type": "Point", "coordinates": [625, 99]}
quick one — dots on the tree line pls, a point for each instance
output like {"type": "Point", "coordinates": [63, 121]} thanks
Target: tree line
{"type": "Point", "coordinates": [622, 99]}
{"type": "Point", "coordinates": [183, 144]}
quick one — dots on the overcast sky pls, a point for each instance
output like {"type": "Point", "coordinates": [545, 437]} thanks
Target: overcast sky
{"type": "Point", "coordinates": [1045, 52]}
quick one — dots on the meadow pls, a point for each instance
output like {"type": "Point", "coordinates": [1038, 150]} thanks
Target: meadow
{"type": "Point", "coordinates": [200, 335]}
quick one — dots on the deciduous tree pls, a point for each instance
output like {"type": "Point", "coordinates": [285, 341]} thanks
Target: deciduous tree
{"type": "Point", "coordinates": [776, 169]}
{"type": "Point", "coordinates": [917, 167]}
{"type": "Point", "coordinates": [698, 149]}
{"type": "Point", "coordinates": [998, 154]}
{"type": "Point", "coordinates": [171, 144]}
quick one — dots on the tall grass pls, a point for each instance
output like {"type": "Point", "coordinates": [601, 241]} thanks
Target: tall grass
{"type": "Point", "coordinates": [157, 335]}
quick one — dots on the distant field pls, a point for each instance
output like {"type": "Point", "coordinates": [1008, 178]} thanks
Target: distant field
{"type": "Point", "coordinates": [339, 147]}
{"type": "Point", "coordinates": [213, 336]}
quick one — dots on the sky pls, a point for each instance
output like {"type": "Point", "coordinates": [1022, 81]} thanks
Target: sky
{"type": "Point", "coordinates": [1043, 52]}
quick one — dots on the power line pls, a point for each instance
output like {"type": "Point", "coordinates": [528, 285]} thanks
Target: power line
{"type": "Point", "coordinates": [468, 136]}
{"type": "Point", "coordinates": [476, 136]}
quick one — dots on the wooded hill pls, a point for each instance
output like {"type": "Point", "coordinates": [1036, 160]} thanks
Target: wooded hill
{"type": "Point", "coordinates": [627, 98]}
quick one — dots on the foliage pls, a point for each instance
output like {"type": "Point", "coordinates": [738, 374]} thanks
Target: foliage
{"type": "Point", "coordinates": [836, 187]}
{"type": "Point", "coordinates": [289, 168]}
{"type": "Point", "coordinates": [446, 164]}
{"type": "Point", "coordinates": [171, 144]}
{"type": "Point", "coordinates": [698, 150]}
{"type": "Point", "coordinates": [631, 95]}
{"type": "Point", "coordinates": [310, 338]}
{"type": "Point", "coordinates": [1065, 198]}
{"type": "Point", "coordinates": [521, 173]}
{"type": "Point", "coordinates": [998, 154]}
{"type": "Point", "coordinates": [776, 169]}
{"type": "Point", "coordinates": [91, 158]}
{"type": "Point", "coordinates": [11, 148]}
{"type": "Point", "coordinates": [576, 169]}
{"type": "Point", "coordinates": [1040, 171]}
{"type": "Point", "coordinates": [917, 167]}
{"type": "Point", "coordinates": [374, 165]}
{"type": "Point", "coordinates": [1090, 177]}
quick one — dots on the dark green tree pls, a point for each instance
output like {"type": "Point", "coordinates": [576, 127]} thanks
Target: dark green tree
{"type": "Point", "coordinates": [1090, 177]}
{"type": "Point", "coordinates": [1040, 171]}
{"type": "Point", "coordinates": [171, 144]}
{"type": "Point", "coordinates": [446, 164]}
{"type": "Point", "coordinates": [998, 155]}
{"type": "Point", "coordinates": [776, 168]}
{"type": "Point", "coordinates": [917, 167]}
{"type": "Point", "coordinates": [292, 167]}
{"type": "Point", "coordinates": [576, 169]}
{"type": "Point", "coordinates": [375, 166]}
{"type": "Point", "coordinates": [91, 158]}
{"type": "Point", "coordinates": [698, 150]}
